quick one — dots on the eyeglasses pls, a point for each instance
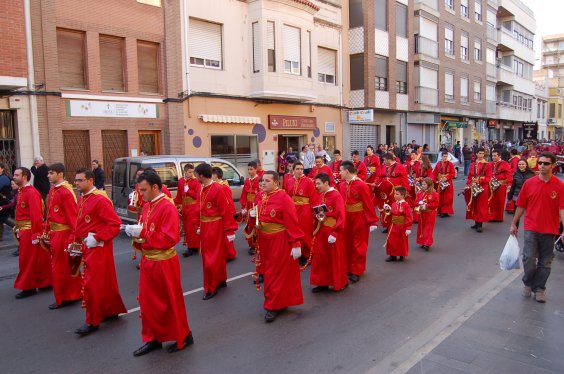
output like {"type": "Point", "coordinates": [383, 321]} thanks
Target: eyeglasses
{"type": "Point", "coordinates": [79, 180]}
{"type": "Point", "coordinates": [545, 163]}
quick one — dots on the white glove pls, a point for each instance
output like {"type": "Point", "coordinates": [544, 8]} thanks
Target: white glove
{"type": "Point", "coordinates": [386, 206]}
{"type": "Point", "coordinates": [423, 206]}
{"type": "Point", "coordinates": [253, 213]}
{"type": "Point", "coordinates": [90, 241]}
{"type": "Point", "coordinates": [421, 202]}
{"type": "Point", "coordinates": [243, 211]}
{"type": "Point", "coordinates": [407, 232]}
{"type": "Point", "coordinates": [133, 230]}
{"type": "Point", "coordinates": [331, 239]}
{"type": "Point", "coordinates": [373, 228]}
{"type": "Point", "coordinates": [198, 231]}
{"type": "Point", "coordinates": [296, 253]}
{"type": "Point", "coordinates": [231, 237]}
{"type": "Point", "coordinates": [186, 188]}
{"type": "Point", "coordinates": [35, 241]}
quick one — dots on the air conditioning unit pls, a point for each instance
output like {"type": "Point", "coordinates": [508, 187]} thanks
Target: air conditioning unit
{"type": "Point", "coordinates": [552, 120]}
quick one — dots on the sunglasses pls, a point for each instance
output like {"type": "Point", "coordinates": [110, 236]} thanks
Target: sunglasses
{"type": "Point", "coordinates": [545, 163]}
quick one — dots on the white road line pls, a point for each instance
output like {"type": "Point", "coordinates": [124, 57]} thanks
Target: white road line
{"type": "Point", "coordinates": [194, 291]}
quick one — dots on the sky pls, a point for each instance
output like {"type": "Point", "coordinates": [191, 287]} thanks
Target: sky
{"type": "Point", "coordinates": [548, 15]}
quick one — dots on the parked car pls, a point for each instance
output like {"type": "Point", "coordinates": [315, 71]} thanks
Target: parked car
{"type": "Point", "coordinates": [435, 157]}
{"type": "Point", "coordinates": [169, 168]}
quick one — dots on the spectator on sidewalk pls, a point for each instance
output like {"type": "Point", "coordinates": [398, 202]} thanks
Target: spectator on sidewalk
{"type": "Point", "coordinates": [541, 201]}
{"type": "Point", "coordinates": [40, 180]}
{"type": "Point", "coordinates": [99, 176]}
{"type": "Point", "coordinates": [467, 156]}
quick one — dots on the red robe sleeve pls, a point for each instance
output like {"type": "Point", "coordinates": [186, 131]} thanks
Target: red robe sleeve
{"type": "Point", "coordinates": [362, 171]}
{"type": "Point", "coordinates": [244, 192]}
{"type": "Point", "coordinates": [432, 200]}
{"type": "Point", "coordinates": [369, 211]}
{"type": "Point", "coordinates": [110, 229]}
{"type": "Point", "coordinates": [179, 192]}
{"type": "Point", "coordinates": [408, 216]}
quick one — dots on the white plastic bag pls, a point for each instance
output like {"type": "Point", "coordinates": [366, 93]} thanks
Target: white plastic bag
{"type": "Point", "coordinates": [509, 258]}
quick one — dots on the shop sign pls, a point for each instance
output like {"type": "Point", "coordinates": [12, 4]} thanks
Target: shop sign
{"type": "Point", "coordinates": [113, 109]}
{"type": "Point", "coordinates": [530, 130]}
{"type": "Point", "coordinates": [361, 116]}
{"type": "Point", "coordinates": [291, 122]}
{"type": "Point", "coordinates": [492, 123]}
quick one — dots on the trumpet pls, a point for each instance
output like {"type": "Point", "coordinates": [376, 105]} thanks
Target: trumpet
{"type": "Point", "coordinates": [417, 209]}
{"type": "Point", "coordinates": [387, 209]}
{"type": "Point", "coordinates": [418, 187]}
{"type": "Point", "coordinates": [133, 201]}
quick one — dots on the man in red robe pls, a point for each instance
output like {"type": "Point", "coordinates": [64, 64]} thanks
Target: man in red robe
{"type": "Point", "coordinates": [34, 261]}
{"type": "Point", "coordinates": [302, 192]}
{"type": "Point", "coordinates": [501, 171]}
{"type": "Point", "coordinates": [217, 177]}
{"type": "Point", "coordinates": [186, 196]}
{"type": "Point", "coordinates": [161, 301]}
{"type": "Point", "coordinates": [320, 167]}
{"type": "Point", "coordinates": [362, 172]}
{"type": "Point", "coordinates": [279, 237]}
{"type": "Point", "coordinates": [372, 163]}
{"type": "Point", "coordinates": [477, 207]}
{"type": "Point", "coordinates": [247, 200]}
{"type": "Point", "coordinates": [215, 221]}
{"type": "Point", "coordinates": [97, 224]}
{"type": "Point", "coordinates": [336, 166]}
{"type": "Point", "coordinates": [59, 226]}
{"type": "Point", "coordinates": [397, 245]}
{"type": "Point", "coordinates": [444, 172]}
{"type": "Point", "coordinates": [360, 219]}
{"type": "Point", "coordinates": [329, 266]}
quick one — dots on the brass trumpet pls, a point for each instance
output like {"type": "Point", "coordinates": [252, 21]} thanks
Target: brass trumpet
{"type": "Point", "coordinates": [133, 201]}
{"type": "Point", "coordinates": [417, 209]}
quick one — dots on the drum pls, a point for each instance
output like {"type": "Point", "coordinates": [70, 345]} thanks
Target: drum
{"type": "Point", "coordinates": [384, 190]}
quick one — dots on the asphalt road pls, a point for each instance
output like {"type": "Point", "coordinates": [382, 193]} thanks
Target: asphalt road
{"type": "Point", "coordinates": [388, 321]}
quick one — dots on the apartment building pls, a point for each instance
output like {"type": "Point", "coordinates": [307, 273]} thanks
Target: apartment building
{"type": "Point", "coordinates": [540, 106]}
{"type": "Point", "coordinates": [553, 68]}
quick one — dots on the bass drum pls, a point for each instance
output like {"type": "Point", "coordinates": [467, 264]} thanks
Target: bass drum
{"type": "Point", "coordinates": [384, 190]}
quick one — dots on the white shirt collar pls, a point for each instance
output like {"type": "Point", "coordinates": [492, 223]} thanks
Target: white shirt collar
{"type": "Point", "coordinates": [158, 197]}
{"type": "Point", "coordinates": [89, 192]}
{"type": "Point", "coordinates": [60, 184]}
{"type": "Point", "coordinates": [331, 189]}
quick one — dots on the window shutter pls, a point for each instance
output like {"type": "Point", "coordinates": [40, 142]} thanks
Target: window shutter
{"type": "Point", "coordinates": [477, 44]}
{"type": "Point", "coordinates": [381, 66]}
{"type": "Point", "coordinates": [327, 61]}
{"type": "Point", "coordinates": [111, 63]}
{"type": "Point", "coordinates": [478, 7]}
{"type": "Point", "coordinates": [291, 43]}
{"type": "Point", "coordinates": [464, 2]}
{"type": "Point", "coordinates": [270, 35]}
{"type": "Point", "coordinates": [428, 78]}
{"type": "Point", "coordinates": [257, 55]}
{"type": "Point", "coordinates": [492, 18]}
{"type": "Point", "coordinates": [490, 56]}
{"type": "Point", "coordinates": [449, 33]}
{"type": "Point", "coordinates": [70, 50]}
{"type": "Point", "coordinates": [490, 92]}
{"type": "Point", "coordinates": [148, 66]}
{"type": "Point", "coordinates": [464, 40]}
{"type": "Point", "coordinates": [401, 71]}
{"type": "Point", "coordinates": [428, 29]}
{"type": "Point", "coordinates": [205, 40]}
{"type": "Point", "coordinates": [477, 87]}
{"type": "Point", "coordinates": [464, 87]}
{"type": "Point", "coordinates": [449, 84]}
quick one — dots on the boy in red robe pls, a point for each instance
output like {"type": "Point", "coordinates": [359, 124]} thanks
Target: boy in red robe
{"type": "Point", "coordinates": [372, 163]}
{"type": "Point", "coordinates": [477, 208]}
{"type": "Point", "coordinates": [186, 196]}
{"type": "Point", "coordinates": [445, 172]}
{"type": "Point", "coordinates": [427, 203]}
{"type": "Point", "coordinates": [397, 245]}
{"type": "Point", "coordinates": [247, 200]}
{"type": "Point", "coordinates": [501, 171]}
{"type": "Point", "coordinates": [362, 171]}
{"type": "Point", "coordinates": [217, 176]}
{"type": "Point", "coordinates": [336, 166]}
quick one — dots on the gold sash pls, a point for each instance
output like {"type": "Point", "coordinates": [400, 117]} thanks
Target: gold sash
{"type": "Point", "coordinates": [329, 222]}
{"type": "Point", "coordinates": [300, 200]}
{"type": "Point", "coordinates": [23, 225]}
{"type": "Point", "coordinates": [250, 197]}
{"type": "Point", "coordinates": [54, 226]}
{"type": "Point", "coordinates": [271, 228]}
{"type": "Point", "coordinates": [210, 219]}
{"type": "Point", "coordinates": [356, 207]}
{"type": "Point", "coordinates": [398, 220]}
{"type": "Point", "coordinates": [187, 200]}
{"type": "Point", "coordinates": [158, 255]}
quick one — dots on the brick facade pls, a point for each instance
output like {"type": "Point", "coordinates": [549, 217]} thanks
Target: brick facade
{"type": "Point", "coordinates": [12, 39]}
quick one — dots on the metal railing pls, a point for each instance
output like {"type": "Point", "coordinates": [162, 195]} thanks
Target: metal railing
{"type": "Point", "coordinates": [426, 96]}
{"type": "Point", "coordinates": [426, 46]}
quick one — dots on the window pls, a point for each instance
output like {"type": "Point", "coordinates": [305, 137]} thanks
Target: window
{"type": "Point", "coordinates": [490, 56]}
{"type": "Point", "coordinates": [449, 40]}
{"type": "Point", "coordinates": [292, 48]}
{"type": "Point", "coordinates": [270, 46]}
{"type": "Point", "coordinates": [401, 77]}
{"type": "Point", "coordinates": [148, 66]}
{"type": "Point", "coordinates": [464, 8]}
{"type": "Point", "coordinates": [308, 53]}
{"type": "Point", "coordinates": [70, 52]}
{"type": "Point", "coordinates": [464, 46]}
{"type": "Point", "coordinates": [357, 71]}
{"type": "Point", "coordinates": [111, 63]}
{"type": "Point", "coordinates": [167, 172]}
{"type": "Point", "coordinates": [449, 86]}
{"type": "Point", "coordinates": [205, 44]}
{"type": "Point", "coordinates": [327, 60]}
{"type": "Point", "coordinates": [381, 14]}
{"type": "Point", "coordinates": [552, 110]}
{"type": "Point", "coordinates": [381, 73]}
{"type": "Point", "coordinates": [478, 50]}
{"type": "Point", "coordinates": [559, 110]}
{"type": "Point", "coordinates": [356, 16]}
{"type": "Point", "coordinates": [477, 91]}
{"type": "Point", "coordinates": [464, 89]}
{"type": "Point", "coordinates": [237, 149]}
{"type": "Point", "coordinates": [401, 20]}
{"type": "Point", "coordinates": [449, 4]}
{"type": "Point", "coordinates": [478, 11]}
{"type": "Point", "coordinates": [257, 58]}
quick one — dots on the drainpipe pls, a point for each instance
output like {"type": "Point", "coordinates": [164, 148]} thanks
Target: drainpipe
{"type": "Point", "coordinates": [31, 80]}
{"type": "Point", "coordinates": [184, 25]}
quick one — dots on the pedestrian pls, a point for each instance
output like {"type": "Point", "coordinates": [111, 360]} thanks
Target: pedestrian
{"type": "Point", "coordinates": [329, 267]}
{"type": "Point", "coordinates": [161, 301]}
{"type": "Point", "coordinates": [541, 201]}
{"type": "Point", "coordinates": [217, 177]}
{"type": "Point", "coordinates": [467, 157]}
{"type": "Point", "coordinates": [520, 175]}
{"type": "Point", "coordinates": [248, 201]}
{"type": "Point", "coordinates": [291, 155]}
{"type": "Point", "coordinates": [59, 226]}
{"type": "Point", "coordinates": [323, 153]}
{"type": "Point", "coordinates": [501, 177]}
{"type": "Point", "coordinates": [361, 170]}
{"type": "Point", "coordinates": [187, 193]}
{"type": "Point", "coordinates": [532, 160]}
{"type": "Point", "coordinates": [279, 237]}
{"type": "Point", "coordinates": [302, 191]}
{"type": "Point", "coordinates": [99, 176]}
{"type": "Point", "coordinates": [320, 167]}
{"type": "Point", "coordinates": [478, 191]}
{"type": "Point", "coordinates": [443, 175]}
{"type": "Point", "coordinates": [282, 163]}
{"type": "Point", "coordinates": [7, 211]}
{"type": "Point", "coordinates": [426, 210]}
{"type": "Point", "coordinates": [97, 225]}
{"type": "Point", "coordinates": [34, 262]}
{"type": "Point", "coordinates": [360, 219]}
{"type": "Point", "coordinates": [5, 197]}
{"type": "Point", "coordinates": [397, 245]}
{"type": "Point", "coordinates": [309, 159]}
{"type": "Point", "coordinates": [514, 160]}
{"type": "Point", "coordinates": [215, 221]}
{"type": "Point", "coordinates": [457, 150]}
{"type": "Point", "coordinates": [40, 180]}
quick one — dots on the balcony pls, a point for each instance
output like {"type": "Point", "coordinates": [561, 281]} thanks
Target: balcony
{"type": "Point", "coordinates": [505, 75]}
{"type": "Point", "coordinates": [426, 96]}
{"type": "Point", "coordinates": [426, 46]}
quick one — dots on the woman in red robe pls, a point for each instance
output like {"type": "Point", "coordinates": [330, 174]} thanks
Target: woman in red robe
{"type": "Point", "coordinates": [426, 211]}
{"type": "Point", "coordinates": [397, 245]}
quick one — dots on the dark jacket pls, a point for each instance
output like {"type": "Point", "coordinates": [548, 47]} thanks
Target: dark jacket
{"type": "Point", "coordinates": [40, 180]}
{"type": "Point", "coordinates": [99, 178]}
{"type": "Point", "coordinates": [518, 179]}
{"type": "Point", "coordinates": [467, 153]}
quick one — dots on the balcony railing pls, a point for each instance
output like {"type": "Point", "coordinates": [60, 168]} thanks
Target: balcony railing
{"type": "Point", "coordinates": [426, 46]}
{"type": "Point", "coordinates": [492, 32]}
{"type": "Point", "coordinates": [433, 4]}
{"type": "Point", "coordinates": [426, 96]}
{"type": "Point", "coordinates": [491, 106]}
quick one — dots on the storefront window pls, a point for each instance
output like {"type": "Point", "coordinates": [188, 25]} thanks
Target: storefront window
{"type": "Point", "coordinates": [329, 144]}
{"type": "Point", "coordinates": [237, 149]}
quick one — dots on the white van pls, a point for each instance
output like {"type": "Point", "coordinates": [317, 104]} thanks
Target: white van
{"type": "Point", "coordinates": [170, 169]}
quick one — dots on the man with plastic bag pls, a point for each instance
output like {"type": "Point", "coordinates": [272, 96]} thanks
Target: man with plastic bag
{"type": "Point", "coordinates": [541, 200]}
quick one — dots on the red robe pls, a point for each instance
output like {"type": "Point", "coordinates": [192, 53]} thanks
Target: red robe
{"type": "Point", "coordinates": [34, 261]}
{"type": "Point", "coordinates": [336, 170]}
{"type": "Point", "coordinates": [60, 224]}
{"type": "Point", "coordinates": [324, 169]}
{"type": "Point", "coordinates": [141, 202]}
{"type": "Point", "coordinates": [247, 200]}
{"type": "Point", "coordinates": [215, 219]}
{"type": "Point", "coordinates": [412, 169]}
{"type": "Point", "coordinates": [396, 174]}
{"type": "Point", "coordinates": [186, 197]}
{"type": "Point", "coordinates": [329, 265]}
{"type": "Point", "coordinates": [514, 163]}
{"type": "Point", "coordinates": [477, 208]}
{"type": "Point", "coordinates": [427, 217]}
{"type": "Point", "coordinates": [360, 215]}
{"type": "Point", "coordinates": [502, 172]}
{"type": "Point", "coordinates": [303, 194]}
{"type": "Point", "coordinates": [163, 312]}
{"type": "Point", "coordinates": [446, 196]}
{"type": "Point", "coordinates": [287, 181]}
{"type": "Point", "coordinates": [397, 243]}
{"type": "Point", "coordinates": [372, 164]}
{"type": "Point", "coordinates": [362, 172]}
{"type": "Point", "coordinates": [100, 292]}
{"type": "Point", "coordinates": [231, 252]}
{"type": "Point", "coordinates": [279, 233]}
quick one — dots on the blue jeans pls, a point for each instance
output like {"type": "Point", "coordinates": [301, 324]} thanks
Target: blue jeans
{"type": "Point", "coordinates": [538, 253]}
{"type": "Point", "coordinates": [466, 167]}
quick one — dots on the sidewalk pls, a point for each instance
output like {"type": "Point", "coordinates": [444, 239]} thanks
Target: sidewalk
{"type": "Point", "coordinates": [8, 263]}
{"type": "Point", "coordinates": [510, 334]}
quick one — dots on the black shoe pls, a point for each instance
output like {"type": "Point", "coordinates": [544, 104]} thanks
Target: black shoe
{"type": "Point", "coordinates": [16, 253]}
{"type": "Point", "coordinates": [230, 259]}
{"type": "Point", "coordinates": [62, 305]}
{"type": "Point", "coordinates": [271, 315]}
{"type": "Point", "coordinates": [354, 278]}
{"type": "Point", "coordinates": [400, 258]}
{"type": "Point", "coordinates": [138, 267]}
{"type": "Point", "coordinates": [110, 318]}
{"type": "Point", "coordinates": [147, 348]}
{"type": "Point", "coordinates": [209, 295]}
{"type": "Point", "coordinates": [385, 231]}
{"type": "Point", "coordinates": [188, 341]}
{"type": "Point", "coordinates": [426, 247]}
{"type": "Point", "coordinates": [303, 261]}
{"type": "Point", "coordinates": [319, 289]}
{"type": "Point", "coordinates": [479, 229]}
{"type": "Point", "coordinates": [260, 278]}
{"type": "Point", "coordinates": [189, 252]}
{"type": "Point", "coordinates": [474, 226]}
{"type": "Point", "coordinates": [26, 293]}
{"type": "Point", "coordinates": [222, 284]}
{"type": "Point", "coordinates": [251, 251]}
{"type": "Point", "coordinates": [85, 330]}
{"type": "Point", "coordinates": [391, 259]}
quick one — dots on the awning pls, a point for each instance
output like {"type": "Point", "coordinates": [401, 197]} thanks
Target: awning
{"type": "Point", "coordinates": [455, 125]}
{"type": "Point", "coordinates": [229, 119]}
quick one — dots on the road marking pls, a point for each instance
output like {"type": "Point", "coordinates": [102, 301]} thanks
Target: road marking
{"type": "Point", "coordinates": [194, 291]}
{"type": "Point", "coordinates": [415, 349]}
